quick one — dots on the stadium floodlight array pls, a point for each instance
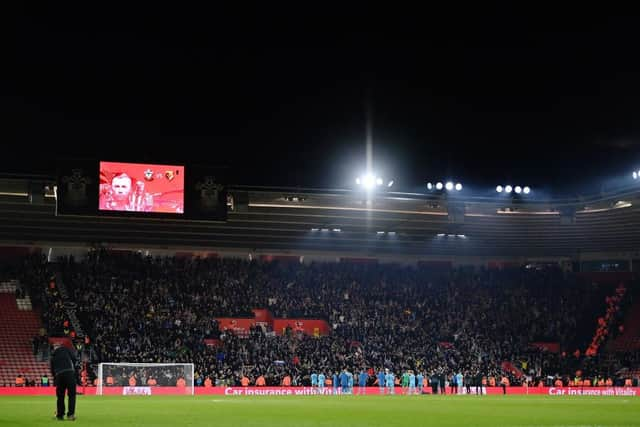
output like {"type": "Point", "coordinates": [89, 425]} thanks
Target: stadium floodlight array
{"type": "Point", "coordinates": [370, 181]}
{"type": "Point", "coordinates": [636, 174]}
{"type": "Point", "coordinates": [449, 186]}
{"type": "Point", "coordinates": [508, 189]}
{"type": "Point", "coordinates": [143, 378]}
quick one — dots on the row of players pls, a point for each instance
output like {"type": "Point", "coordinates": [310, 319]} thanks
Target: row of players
{"type": "Point", "coordinates": [386, 380]}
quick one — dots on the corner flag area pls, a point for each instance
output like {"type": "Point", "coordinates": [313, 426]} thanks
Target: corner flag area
{"type": "Point", "coordinates": [335, 411]}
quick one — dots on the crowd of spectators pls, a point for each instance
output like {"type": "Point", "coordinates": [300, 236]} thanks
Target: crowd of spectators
{"type": "Point", "coordinates": [437, 322]}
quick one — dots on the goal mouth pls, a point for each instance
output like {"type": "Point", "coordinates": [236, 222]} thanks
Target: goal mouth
{"type": "Point", "coordinates": [143, 379]}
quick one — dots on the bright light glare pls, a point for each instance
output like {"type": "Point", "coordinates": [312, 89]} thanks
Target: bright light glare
{"type": "Point", "coordinates": [508, 189]}
{"type": "Point", "coordinates": [429, 186]}
{"type": "Point", "coordinates": [635, 175]}
{"type": "Point", "coordinates": [368, 181]}
{"type": "Point", "coordinates": [449, 186]}
{"type": "Point", "coordinates": [518, 189]}
{"type": "Point", "coordinates": [499, 188]}
{"type": "Point", "coordinates": [439, 186]}
{"type": "Point", "coordinates": [458, 187]}
{"type": "Point", "coordinates": [526, 190]}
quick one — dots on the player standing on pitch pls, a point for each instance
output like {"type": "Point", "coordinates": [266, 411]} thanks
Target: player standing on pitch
{"type": "Point", "coordinates": [63, 363]}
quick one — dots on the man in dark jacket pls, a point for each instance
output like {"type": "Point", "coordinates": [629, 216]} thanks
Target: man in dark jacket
{"type": "Point", "coordinates": [63, 363]}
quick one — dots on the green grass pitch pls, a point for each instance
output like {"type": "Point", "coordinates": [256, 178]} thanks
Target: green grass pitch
{"type": "Point", "coordinates": [335, 411]}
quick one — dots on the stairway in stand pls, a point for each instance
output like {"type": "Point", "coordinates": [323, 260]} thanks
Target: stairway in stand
{"type": "Point", "coordinates": [18, 325]}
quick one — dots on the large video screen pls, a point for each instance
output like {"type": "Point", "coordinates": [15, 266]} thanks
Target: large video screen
{"type": "Point", "coordinates": [135, 187]}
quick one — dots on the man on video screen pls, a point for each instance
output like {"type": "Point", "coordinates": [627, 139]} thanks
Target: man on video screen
{"type": "Point", "coordinates": [125, 194]}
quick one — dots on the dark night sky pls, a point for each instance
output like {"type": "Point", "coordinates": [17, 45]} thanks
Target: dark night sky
{"type": "Point", "coordinates": [488, 96]}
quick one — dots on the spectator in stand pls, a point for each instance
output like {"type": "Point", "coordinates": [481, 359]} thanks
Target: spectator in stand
{"type": "Point", "coordinates": [20, 381]}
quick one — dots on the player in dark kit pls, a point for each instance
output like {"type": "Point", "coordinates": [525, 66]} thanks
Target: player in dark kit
{"type": "Point", "coordinates": [63, 363]}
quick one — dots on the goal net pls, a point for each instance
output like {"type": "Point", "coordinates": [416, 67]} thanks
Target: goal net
{"type": "Point", "coordinates": [145, 378]}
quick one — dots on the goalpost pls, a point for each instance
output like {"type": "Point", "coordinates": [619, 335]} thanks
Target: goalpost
{"type": "Point", "coordinates": [144, 378]}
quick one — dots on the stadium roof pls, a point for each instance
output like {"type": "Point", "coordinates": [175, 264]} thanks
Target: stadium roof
{"type": "Point", "coordinates": [345, 222]}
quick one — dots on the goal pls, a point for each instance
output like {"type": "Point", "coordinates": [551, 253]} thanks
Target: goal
{"type": "Point", "coordinates": [145, 378]}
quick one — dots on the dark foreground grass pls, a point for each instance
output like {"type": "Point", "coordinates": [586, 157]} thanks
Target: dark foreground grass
{"type": "Point", "coordinates": [335, 411]}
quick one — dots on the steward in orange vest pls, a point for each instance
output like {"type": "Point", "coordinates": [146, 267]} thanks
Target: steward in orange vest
{"type": "Point", "coordinates": [504, 382]}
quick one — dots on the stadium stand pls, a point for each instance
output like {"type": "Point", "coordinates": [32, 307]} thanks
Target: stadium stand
{"type": "Point", "coordinates": [18, 325]}
{"type": "Point", "coordinates": [143, 309]}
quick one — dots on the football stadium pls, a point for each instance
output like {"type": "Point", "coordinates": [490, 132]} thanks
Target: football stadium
{"type": "Point", "coordinates": [320, 215]}
{"type": "Point", "coordinates": [314, 307]}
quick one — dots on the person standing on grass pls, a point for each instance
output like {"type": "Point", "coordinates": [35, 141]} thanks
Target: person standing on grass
{"type": "Point", "coordinates": [390, 382]}
{"type": "Point", "coordinates": [344, 381]}
{"type": "Point", "coordinates": [459, 382]}
{"type": "Point", "coordinates": [435, 383]}
{"type": "Point", "coordinates": [321, 382]}
{"type": "Point", "coordinates": [504, 382]}
{"type": "Point", "coordinates": [412, 382]}
{"type": "Point", "coordinates": [479, 385]}
{"type": "Point", "coordinates": [362, 381]}
{"type": "Point", "coordinates": [63, 363]}
{"type": "Point", "coordinates": [382, 379]}
{"type": "Point", "coordinates": [405, 382]}
{"type": "Point", "coordinates": [350, 382]}
{"type": "Point", "coordinates": [419, 383]}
